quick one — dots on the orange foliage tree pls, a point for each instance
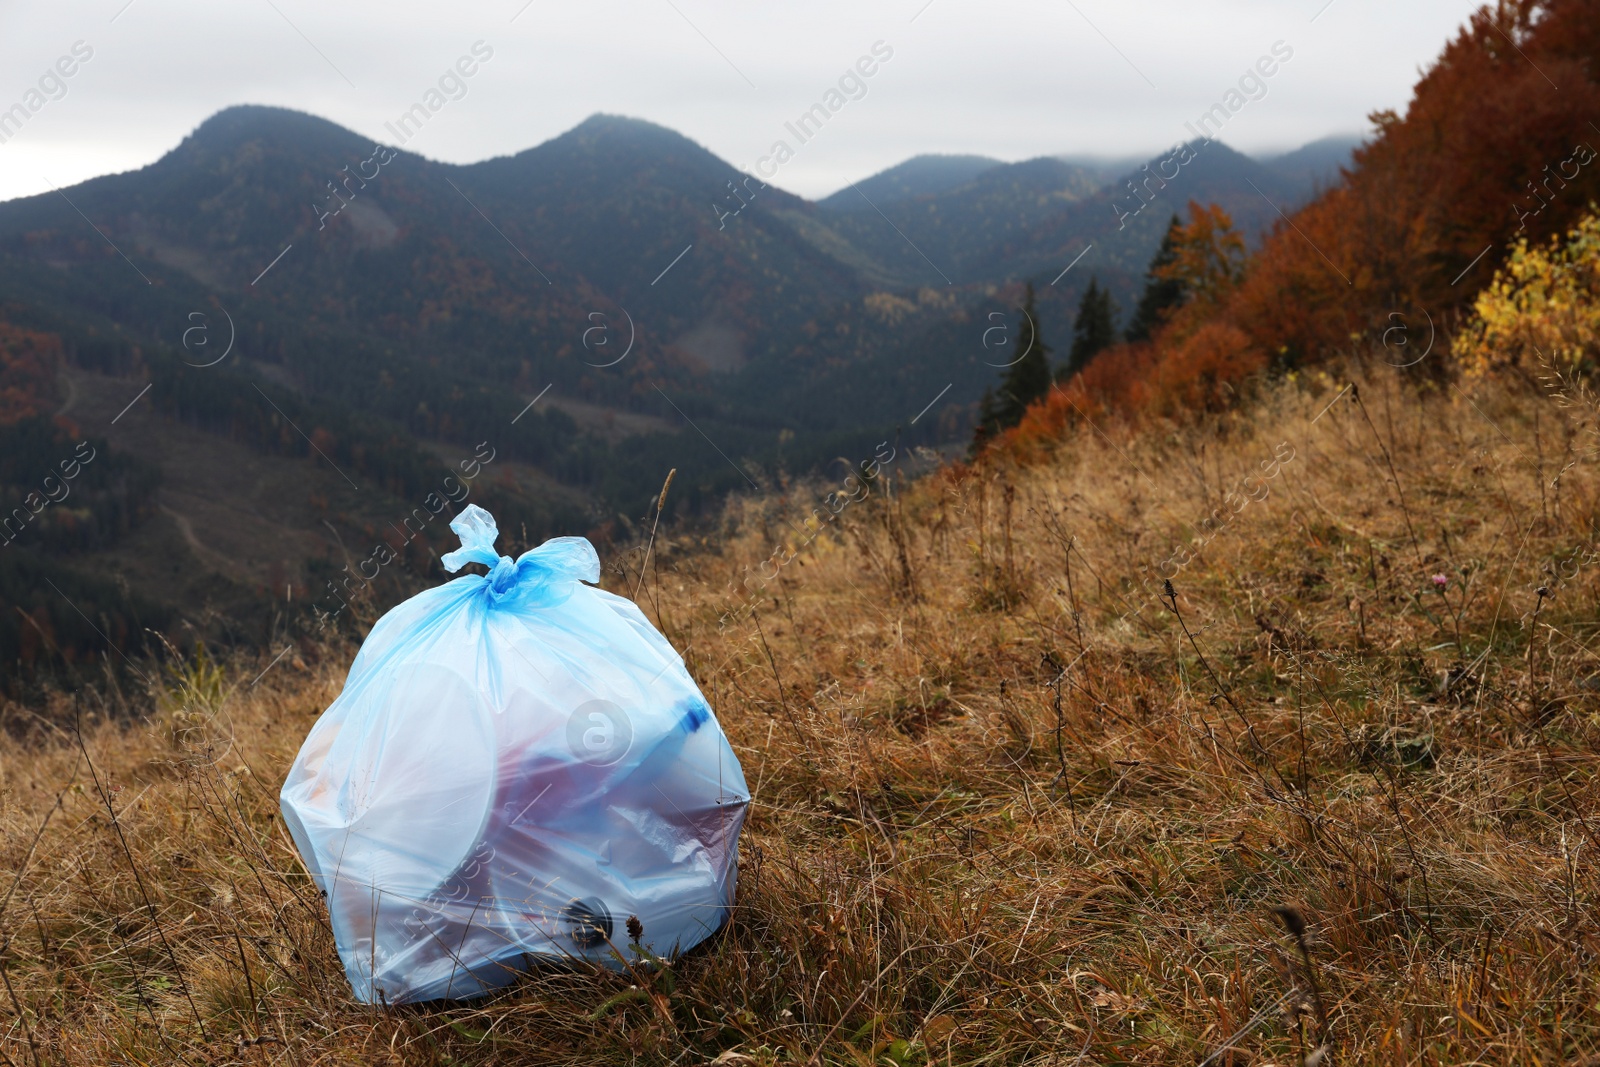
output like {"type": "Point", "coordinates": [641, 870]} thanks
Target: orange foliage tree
{"type": "Point", "coordinates": [1487, 151]}
{"type": "Point", "coordinates": [1207, 256]}
{"type": "Point", "coordinates": [1500, 143]}
{"type": "Point", "coordinates": [1191, 362]}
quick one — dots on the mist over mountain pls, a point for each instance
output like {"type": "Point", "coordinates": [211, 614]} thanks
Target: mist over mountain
{"type": "Point", "coordinates": [293, 335]}
{"type": "Point", "coordinates": [1317, 164]}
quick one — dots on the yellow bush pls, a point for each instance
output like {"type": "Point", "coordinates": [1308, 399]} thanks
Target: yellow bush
{"type": "Point", "coordinates": [1543, 305]}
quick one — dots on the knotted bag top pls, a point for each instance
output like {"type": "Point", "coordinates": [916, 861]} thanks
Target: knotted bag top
{"type": "Point", "coordinates": [540, 575]}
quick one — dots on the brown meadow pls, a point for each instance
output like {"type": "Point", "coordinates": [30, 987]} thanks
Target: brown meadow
{"type": "Point", "coordinates": [1334, 801]}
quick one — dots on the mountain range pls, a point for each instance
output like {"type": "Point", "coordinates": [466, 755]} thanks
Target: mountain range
{"type": "Point", "coordinates": [290, 335]}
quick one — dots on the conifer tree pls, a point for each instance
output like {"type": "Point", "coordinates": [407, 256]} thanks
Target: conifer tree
{"type": "Point", "coordinates": [1027, 379]}
{"type": "Point", "coordinates": [1094, 330]}
{"type": "Point", "coordinates": [1162, 291]}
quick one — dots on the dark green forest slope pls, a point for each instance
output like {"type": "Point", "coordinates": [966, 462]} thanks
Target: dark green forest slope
{"type": "Point", "coordinates": [282, 338]}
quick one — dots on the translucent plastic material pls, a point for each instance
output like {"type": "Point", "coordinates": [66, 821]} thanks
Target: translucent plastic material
{"type": "Point", "coordinates": [517, 764]}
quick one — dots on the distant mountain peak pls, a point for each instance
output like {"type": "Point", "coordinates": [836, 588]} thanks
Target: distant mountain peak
{"type": "Point", "coordinates": [605, 122]}
{"type": "Point", "coordinates": [621, 131]}
{"type": "Point", "coordinates": [276, 129]}
{"type": "Point", "coordinates": [255, 118]}
{"type": "Point", "coordinates": [917, 176]}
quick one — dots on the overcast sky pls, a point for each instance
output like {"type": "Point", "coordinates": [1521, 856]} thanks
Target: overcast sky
{"type": "Point", "coordinates": [1011, 79]}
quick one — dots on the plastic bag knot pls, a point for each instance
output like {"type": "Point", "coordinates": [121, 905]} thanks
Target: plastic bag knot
{"type": "Point", "coordinates": [503, 576]}
{"type": "Point", "coordinates": [560, 559]}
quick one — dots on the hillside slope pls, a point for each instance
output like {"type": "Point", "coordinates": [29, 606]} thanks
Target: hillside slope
{"type": "Point", "coordinates": [293, 336]}
{"type": "Point", "coordinates": [1008, 805]}
{"type": "Point", "coordinates": [917, 176]}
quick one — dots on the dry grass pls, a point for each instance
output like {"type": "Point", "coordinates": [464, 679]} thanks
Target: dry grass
{"type": "Point", "coordinates": [999, 817]}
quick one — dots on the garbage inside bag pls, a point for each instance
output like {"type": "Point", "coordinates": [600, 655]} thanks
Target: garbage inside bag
{"type": "Point", "coordinates": [518, 763]}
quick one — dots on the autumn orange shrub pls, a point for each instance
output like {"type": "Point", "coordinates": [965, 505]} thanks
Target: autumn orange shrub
{"type": "Point", "coordinates": [1201, 371]}
{"type": "Point", "coordinates": [1117, 380]}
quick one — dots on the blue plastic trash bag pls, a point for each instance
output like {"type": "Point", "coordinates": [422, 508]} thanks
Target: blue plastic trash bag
{"type": "Point", "coordinates": [517, 764]}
